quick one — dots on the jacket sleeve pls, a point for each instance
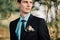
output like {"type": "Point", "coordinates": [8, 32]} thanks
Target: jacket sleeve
{"type": "Point", "coordinates": [43, 31]}
{"type": "Point", "coordinates": [12, 32]}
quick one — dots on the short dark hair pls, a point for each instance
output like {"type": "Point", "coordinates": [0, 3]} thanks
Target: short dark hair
{"type": "Point", "coordinates": [19, 1]}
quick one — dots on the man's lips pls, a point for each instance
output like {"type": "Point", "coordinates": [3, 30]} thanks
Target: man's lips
{"type": "Point", "coordinates": [28, 8]}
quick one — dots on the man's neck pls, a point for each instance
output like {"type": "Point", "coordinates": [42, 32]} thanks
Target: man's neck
{"type": "Point", "coordinates": [24, 15]}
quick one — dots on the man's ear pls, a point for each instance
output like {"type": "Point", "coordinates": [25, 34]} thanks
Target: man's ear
{"type": "Point", "coordinates": [19, 5]}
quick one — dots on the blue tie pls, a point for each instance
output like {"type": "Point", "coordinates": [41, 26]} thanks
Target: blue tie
{"type": "Point", "coordinates": [22, 29]}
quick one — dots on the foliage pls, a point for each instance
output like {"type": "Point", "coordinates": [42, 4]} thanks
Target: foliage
{"type": "Point", "coordinates": [5, 8]}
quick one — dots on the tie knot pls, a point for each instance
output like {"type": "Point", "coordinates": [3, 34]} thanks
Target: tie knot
{"type": "Point", "coordinates": [23, 20]}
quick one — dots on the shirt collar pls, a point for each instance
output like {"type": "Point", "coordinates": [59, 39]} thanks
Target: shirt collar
{"type": "Point", "coordinates": [26, 18]}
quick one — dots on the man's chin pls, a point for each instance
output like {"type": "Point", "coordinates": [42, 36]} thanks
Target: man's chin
{"type": "Point", "coordinates": [27, 11]}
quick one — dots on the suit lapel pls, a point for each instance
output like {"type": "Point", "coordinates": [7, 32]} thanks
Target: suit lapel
{"type": "Point", "coordinates": [16, 22]}
{"type": "Point", "coordinates": [29, 21]}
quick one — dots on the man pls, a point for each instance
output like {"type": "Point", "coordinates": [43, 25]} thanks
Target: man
{"type": "Point", "coordinates": [33, 29]}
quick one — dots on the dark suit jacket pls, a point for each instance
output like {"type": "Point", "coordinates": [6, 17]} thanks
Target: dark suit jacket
{"type": "Point", "coordinates": [40, 33]}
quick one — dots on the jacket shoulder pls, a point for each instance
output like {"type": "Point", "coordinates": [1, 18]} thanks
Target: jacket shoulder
{"type": "Point", "coordinates": [14, 21]}
{"type": "Point", "coordinates": [38, 19]}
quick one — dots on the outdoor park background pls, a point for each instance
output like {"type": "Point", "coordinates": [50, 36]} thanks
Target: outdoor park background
{"type": "Point", "coordinates": [9, 11]}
